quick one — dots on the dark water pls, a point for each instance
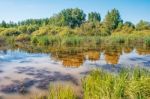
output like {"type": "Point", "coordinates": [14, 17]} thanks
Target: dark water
{"type": "Point", "coordinates": [25, 71]}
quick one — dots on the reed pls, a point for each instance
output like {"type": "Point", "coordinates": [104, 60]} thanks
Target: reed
{"type": "Point", "coordinates": [126, 85]}
{"type": "Point", "coordinates": [100, 84]}
{"type": "Point", "coordinates": [59, 92]}
{"type": "Point", "coordinates": [147, 41]}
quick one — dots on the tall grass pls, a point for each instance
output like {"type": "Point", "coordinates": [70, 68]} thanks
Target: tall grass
{"type": "Point", "coordinates": [43, 40]}
{"type": "Point", "coordinates": [75, 39]}
{"type": "Point", "coordinates": [23, 38]}
{"type": "Point", "coordinates": [59, 92]}
{"type": "Point", "coordinates": [127, 85]}
{"type": "Point", "coordinates": [72, 40]}
{"type": "Point", "coordinates": [117, 39]}
{"type": "Point", "coordinates": [81, 40]}
{"type": "Point", "coordinates": [99, 84]}
{"type": "Point", "coordinates": [147, 41]}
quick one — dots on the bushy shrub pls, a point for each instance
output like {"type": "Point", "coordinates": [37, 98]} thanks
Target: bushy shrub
{"type": "Point", "coordinates": [143, 25]}
{"type": "Point", "coordinates": [42, 31]}
{"type": "Point", "coordinates": [1, 29]}
{"type": "Point", "coordinates": [23, 29]}
{"type": "Point", "coordinates": [32, 28]}
{"type": "Point", "coordinates": [90, 28]}
{"type": "Point", "coordinates": [23, 38]}
{"type": "Point", "coordinates": [10, 32]}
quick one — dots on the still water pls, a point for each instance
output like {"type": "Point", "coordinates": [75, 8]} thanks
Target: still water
{"type": "Point", "coordinates": [25, 72]}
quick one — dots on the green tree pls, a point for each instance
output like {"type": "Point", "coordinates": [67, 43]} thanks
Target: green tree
{"type": "Point", "coordinates": [69, 17]}
{"type": "Point", "coordinates": [38, 22]}
{"type": "Point", "coordinates": [90, 28]}
{"type": "Point", "coordinates": [143, 25]}
{"type": "Point", "coordinates": [120, 25]}
{"type": "Point", "coordinates": [94, 16]}
{"type": "Point", "coordinates": [112, 19]}
{"type": "Point", "coordinates": [126, 27]}
{"type": "Point", "coordinates": [11, 24]}
{"type": "Point", "coordinates": [4, 24]}
{"type": "Point", "coordinates": [129, 24]}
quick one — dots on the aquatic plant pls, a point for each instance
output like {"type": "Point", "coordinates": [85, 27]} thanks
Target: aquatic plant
{"type": "Point", "coordinates": [115, 39]}
{"type": "Point", "coordinates": [43, 40]}
{"type": "Point", "coordinates": [55, 40]}
{"type": "Point", "coordinates": [147, 41]}
{"type": "Point", "coordinates": [72, 40]}
{"type": "Point", "coordinates": [34, 40]}
{"type": "Point", "coordinates": [100, 84]}
{"type": "Point", "coordinates": [40, 40]}
{"type": "Point", "coordinates": [59, 92]}
{"type": "Point", "coordinates": [127, 85]}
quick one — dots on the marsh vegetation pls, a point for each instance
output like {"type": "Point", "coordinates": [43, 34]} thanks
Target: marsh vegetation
{"type": "Point", "coordinates": [99, 84]}
{"type": "Point", "coordinates": [70, 40]}
{"type": "Point", "coordinates": [70, 27]}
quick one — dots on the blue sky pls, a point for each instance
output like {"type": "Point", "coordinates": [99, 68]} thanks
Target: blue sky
{"type": "Point", "coordinates": [17, 10]}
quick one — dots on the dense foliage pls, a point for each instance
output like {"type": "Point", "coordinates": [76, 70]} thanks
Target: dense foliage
{"type": "Point", "coordinates": [143, 25]}
{"type": "Point", "coordinates": [69, 17]}
{"type": "Point", "coordinates": [70, 26]}
{"type": "Point", "coordinates": [112, 19]}
{"type": "Point", "coordinates": [94, 16]}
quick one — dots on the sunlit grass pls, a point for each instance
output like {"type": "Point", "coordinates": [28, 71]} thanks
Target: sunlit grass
{"type": "Point", "coordinates": [127, 85]}
{"type": "Point", "coordinates": [100, 84]}
{"type": "Point", "coordinates": [59, 92]}
{"type": "Point", "coordinates": [71, 38]}
{"type": "Point", "coordinates": [43, 40]}
{"type": "Point", "coordinates": [147, 41]}
{"type": "Point", "coordinates": [23, 38]}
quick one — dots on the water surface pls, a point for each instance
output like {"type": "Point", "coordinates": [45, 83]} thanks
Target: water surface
{"type": "Point", "coordinates": [27, 71]}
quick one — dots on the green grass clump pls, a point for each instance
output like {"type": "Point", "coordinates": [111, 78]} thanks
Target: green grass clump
{"type": "Point", "coordinates": [34, 40]}
{"type": "Point", "coordinates": [117, 39]}
{"type": "Point", "coordinates": [99, 84]}
{"type": "Point", "coordinates": [127, 85]}
{"type": "Point", "coordinates": [59, 92]}
{"type": "Point", "coordinates": [72, 40]}
{"type": "Point", "coordinates": [55, 40]}
{"type": "Point", "coordinates": [43, 40]}
{"type": "Point", "coordinates": [147, 41]}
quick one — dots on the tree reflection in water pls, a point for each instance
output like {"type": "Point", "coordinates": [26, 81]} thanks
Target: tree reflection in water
{"type": "Point", "coordinates": [76, 56]}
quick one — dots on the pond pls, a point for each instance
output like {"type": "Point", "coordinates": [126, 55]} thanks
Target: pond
{"type": "Point", "coordinates": [26, 71]}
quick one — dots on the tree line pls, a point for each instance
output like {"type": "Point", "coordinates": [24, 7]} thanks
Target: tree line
{"type": "Point", "coordinates": [75, 17]}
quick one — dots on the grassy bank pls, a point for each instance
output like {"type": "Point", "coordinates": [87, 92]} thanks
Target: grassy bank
{"type": "Point", "coordinates": [136, 37]}
{"type": "Point", "coordinates": [72, 27]}
{"type": "Point", "coordinates": [99, 84]}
